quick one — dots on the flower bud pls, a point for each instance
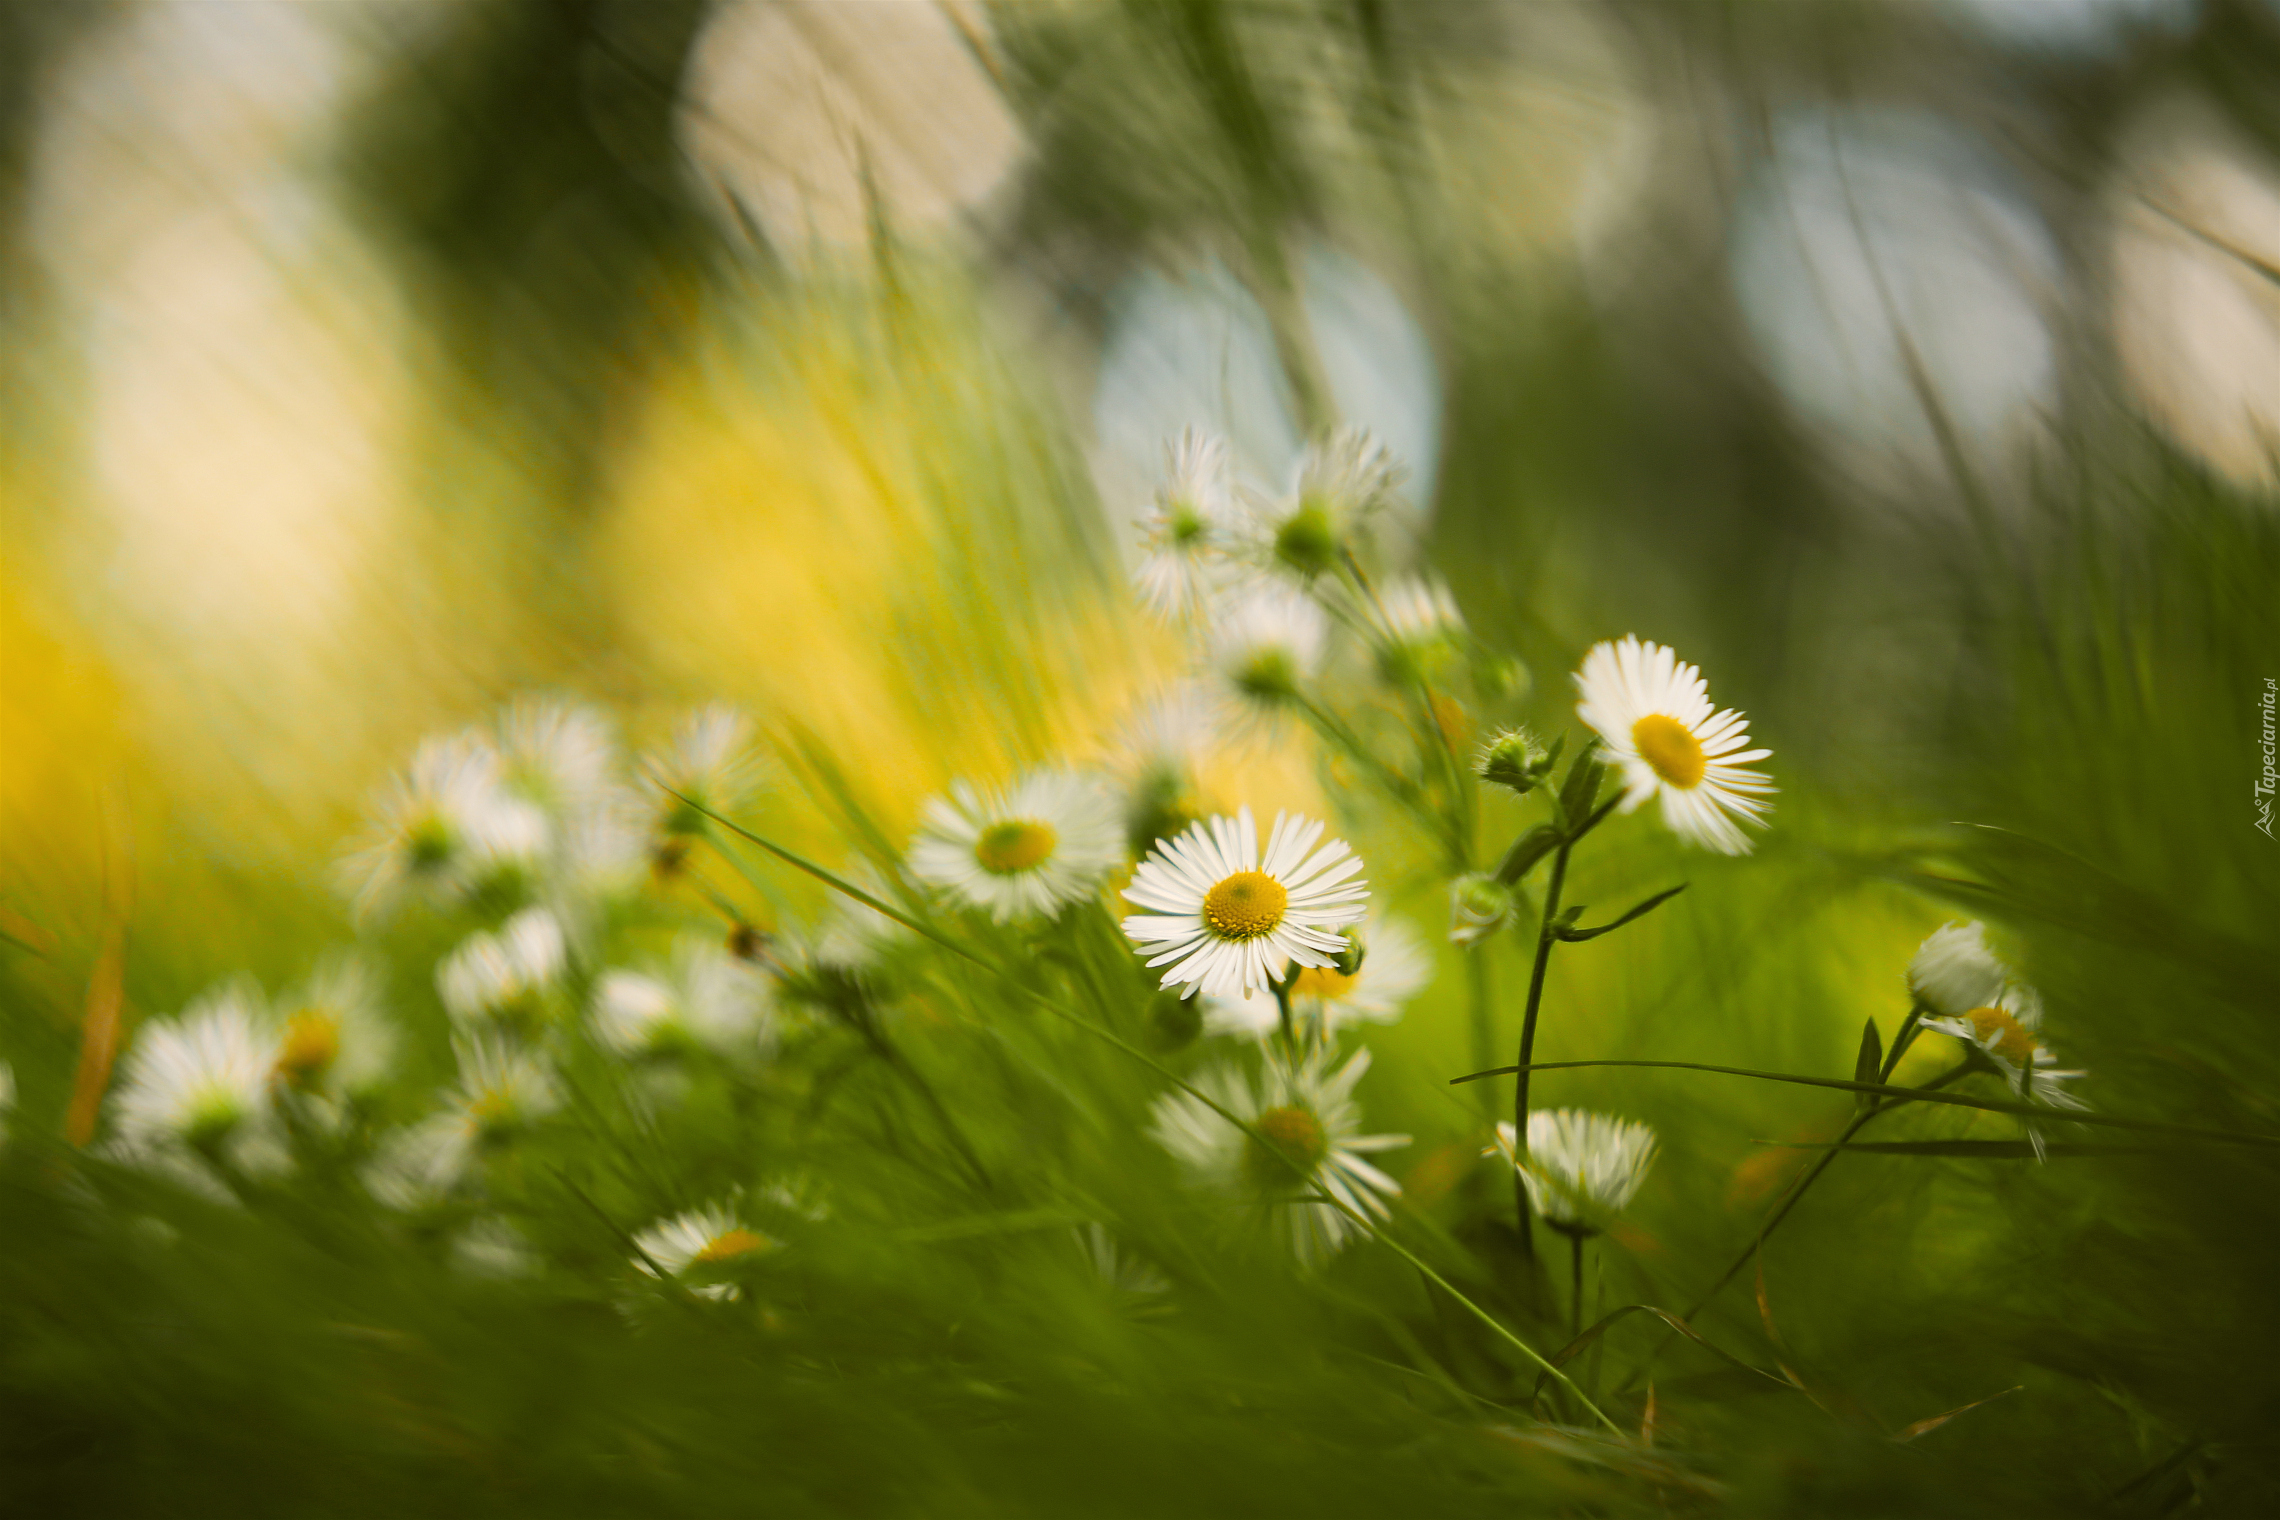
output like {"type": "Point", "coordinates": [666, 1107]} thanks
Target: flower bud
{"type": "Point", "coordinates": [1479, 905]}
{"type": "Point", "coordinates": [1515, 759]}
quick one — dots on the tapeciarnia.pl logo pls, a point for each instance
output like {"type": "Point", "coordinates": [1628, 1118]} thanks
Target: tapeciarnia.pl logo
{"type": "Point", "coordinates": [2268, 779]}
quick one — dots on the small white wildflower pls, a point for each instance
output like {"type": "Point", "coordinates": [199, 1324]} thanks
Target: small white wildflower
{"type": "Point", "coordinates": [505, 977]}
{"type": "Point", "coordinates": [332, 1034]}
{"type": "Point", "coordinates": [704, 997]}
{"type": "Point", "coordinates": [200, 1084]}
{"type": "Point", "coordinates": [443, 828]}
{"type": "Point", "coordinates": [1342, 481]}
{"type": "Point", "coordinates": [1230, 919]}
{"type": "Point", "coordinates": [695, 1247]}
{"type": "Point", "coordinates": [1652, 712]}
{"type": "Point", "coordinates": [1954, 972]}
{"type": "Point", "coordinates": [1582, 1169]}
{"type": "Point", "coordinates": [710, 765]}
{"type": "Point", "coordinates": [1044, 841]}
{"type": "Point", "coordinates": [1264, 643]}
{"type": "Point", "coordinates": [1308, 1144]}
{"type": "Point", "coordinates": [1189, 530]}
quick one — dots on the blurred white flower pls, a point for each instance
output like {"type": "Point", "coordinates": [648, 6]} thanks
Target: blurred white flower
{"type": "Point", "coordinates": [705, 997]}
{"type": "Point", "coordinates": [1954, 972]}
{"type": "Point", "coordinates": [709, 762]}
{"type": "Point", "coordinates": [1230, 919]}
{"type": "Point", "coordinates": [559, 757]}
{"type": "Point", "coordinates": [1342, 482]}
{"type": "Point", "coordinates": [443, 827]}
{"type": "Point", "coordinates": [2007, 1032]}
{"type": "Point", "coordinates": [1125, 1273]}
{"type": "Point", "coordinates": [1582, 1169]}
{"type": "Point", "coordinates": [1652, 713]}
{"type": "Point", "coordinates": [200, 1084]}
{"type": "Point", "coordinates": [1190, 528]}
{"type": "Point", "coordinates": [333, 1031]}
{"type": "Point", "coordinates": [1395, 968]}
{"type": "Point", "coordinates": [1263, 643]}
{"type": "Point", "coordinates": [504, 977]}
{"type": "Point", "coordinates": [697, 1245]}
{"type": "Point", "coordinates": [1307, 1143]}
{"type": "Point", "coordinates": [1021, 852]}
{"type": "Point", "coordinates": [1417, 628]}
{"type": "Point", "coordinates": [503, 1089]}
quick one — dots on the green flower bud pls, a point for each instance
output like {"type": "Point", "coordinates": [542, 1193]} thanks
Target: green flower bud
{"type": "Point", "coordinates": [1479, 905]}
{"type": "Point", "coordinates": [1515, 759]}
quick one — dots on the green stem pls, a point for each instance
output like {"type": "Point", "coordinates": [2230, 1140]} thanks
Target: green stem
{"type": "Point", "coordinates": [1575, 1296]}
{"type": "Point", "coordinates": [1544, 941]}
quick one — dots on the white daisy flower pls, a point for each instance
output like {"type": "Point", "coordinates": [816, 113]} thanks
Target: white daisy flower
{"type": "Point", "coordinates": [1417, 626]}
{"type": "Point", "coordinates": [559, 757]}
{"type": "Point", "coordinates": [1309, 1148]}
{"type": "Point", "coordinates": [502, 1090]}
{"type": "Point", "coordinates": [706, 997]}
{"type": "Point", "coordinates": [1653, 715]}
{"type": "Point", "coordinates": [708, 761]}
{"type": "Point", "coordinates": [1954, 972]}
{"type": "Point", "coordinates": [698, 1245]}
{"type": "Point", "coordinates": [504, 977]}
{"type": "Point", "coordinates": [1185, 538]}
{"type": "Point", "coordinates": [443, 828]}
{"type": "Point", "coordinates": [1264, 642]}
{"type": "Point", "coordinates": [1394, 969]}
{"type": "Point", "coordinates": [1582, 1169]}
{"type": "Point", "coordinates": [200, 1083]}
{"type": "Point", "coordinates": [332, 1033]}
{"type": "Point", "coordinates": [1229, 920]}
{"type": "Point", "coordinates": [1342, 480]}
{"type": "Point", "coordinates": [2008, 1032]}
{"type": "Point", "coordinates": [1023, 852]}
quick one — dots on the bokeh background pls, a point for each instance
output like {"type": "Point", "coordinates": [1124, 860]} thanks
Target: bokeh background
{"type": "Point", "coordinates": [1912, 365]}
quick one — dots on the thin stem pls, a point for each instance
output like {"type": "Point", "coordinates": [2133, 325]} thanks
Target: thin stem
{"type": "Point", "coordinates": [1544, 942]}
{"type": "Point", "coordinates": [1575, 1296]}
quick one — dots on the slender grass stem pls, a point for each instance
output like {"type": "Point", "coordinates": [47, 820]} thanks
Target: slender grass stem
{"type": "Point", "coordinates": [1544, 941]}
{"type": "Point", "coordinates": [1575, 1293]}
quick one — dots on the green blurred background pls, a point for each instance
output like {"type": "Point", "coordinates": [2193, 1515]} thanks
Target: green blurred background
{"type": "Point", "coordinates": [1914, 367]}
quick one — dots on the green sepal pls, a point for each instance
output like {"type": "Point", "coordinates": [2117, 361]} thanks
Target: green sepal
{"type": "Point", "coordinates": [1526, 851]}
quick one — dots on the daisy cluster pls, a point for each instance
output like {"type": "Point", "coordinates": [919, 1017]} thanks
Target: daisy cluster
{"type": "Point", "coordinates": [559, 866]}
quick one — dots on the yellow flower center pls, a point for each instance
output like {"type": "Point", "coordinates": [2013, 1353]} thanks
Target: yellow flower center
{"type": "Point", "coordinates": [1287, 1138]}
{"type": "Point", "coordinates": [736, 1242]}
{"type": "Point", "coordinates": [2004, 1035]}
{"type": "Point", "coordinates": [310, 1046]}
{"type": "Point", "coordinates": [1245, 905]}
{"type": "Point", "coordinates": [1671, 748]}
{"type": "Point", "coordinates": [1323, 982]}
{"type": "Point", "coordinates": [1008, 849]}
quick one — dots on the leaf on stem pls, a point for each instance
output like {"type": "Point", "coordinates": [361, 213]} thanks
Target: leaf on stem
{"type": "Point", "coordinates": [1575, 936]}
{"type": "Point", "coordinates": [1581, 788]}
{"type": "Point", "coordinates": [1868, 1066]}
